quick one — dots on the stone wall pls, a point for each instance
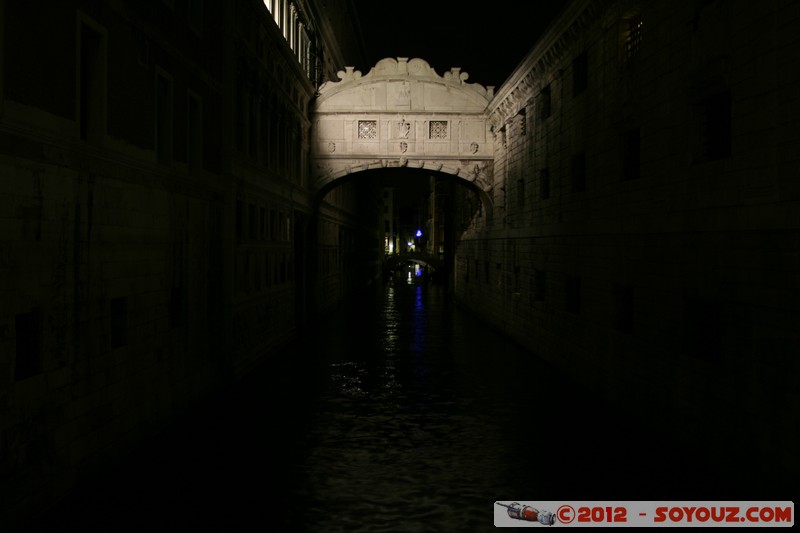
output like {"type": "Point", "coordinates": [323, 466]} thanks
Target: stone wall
{"type": "Point", "coordinates": [155, 224]}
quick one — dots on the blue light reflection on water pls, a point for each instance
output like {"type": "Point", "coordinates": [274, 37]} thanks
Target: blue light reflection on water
{"type": "Point", "coordinates": [468, 415]}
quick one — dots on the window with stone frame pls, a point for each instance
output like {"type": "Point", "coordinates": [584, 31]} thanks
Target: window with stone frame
{"type": "Point", "coordinates": [544, 102]}
{"type": "Point", "coordinates": [28, 357]}
{"type": "Point", "coordinates": [119, 321]}
{"type": "Point", "coordinates": [630, 150]}
{"type": "Point", "coordinates": [632, 38]}
{"type": "Point", "coordinates": [579, 172]}
{"type": "Point", "coordinates": [539, 284]}
{"type": "Point", "coordinates": [715, 126]}
{"type": "Point", "coordinates": [580, 73]}
{"type": "Point", "coordinates": [544, 183]}
{"type": "Point", "coordinates": [572, 290]}
{"type": "Point", "coordinates": [623, 307]}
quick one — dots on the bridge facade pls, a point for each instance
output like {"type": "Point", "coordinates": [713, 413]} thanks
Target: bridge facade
{"type": "Point", "coordinates": [402, 114]}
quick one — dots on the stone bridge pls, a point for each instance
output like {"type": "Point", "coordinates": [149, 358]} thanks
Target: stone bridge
{"type": "Point", "coordinates": [402, 114]}
{"type": "Point", "coordinates": [393, 260]}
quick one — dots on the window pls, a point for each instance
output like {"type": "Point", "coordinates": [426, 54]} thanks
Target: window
{"type": "Point", "coordinates": [163, 118]}
{"type": "Point", "coordinates": [196, 15]}
{"type": "Point", "coordinates": [262, 223]}
{"type": "Point", "coordinates": [539, 285]}
{"type": "Point", "coordinates": [253, 103]}
{"type": "Point", "coordinates": [251, 222]}
{"type": "Point", "coordinates": [630, 150]}
{"type": "Point", "coordinates": [177, 307]}
{"type": "Point", "coordinates": [239, 221]}
{"type": "Point", "coordinates": [367, 129]}
{"type": "Point", "coordinates": [573, 294]}
{"type": "Point", "coordinates": [28, 359]}
{"type": "Point", "coordinates": [703, 329]}
{"type": "Point", "coordinates": [437, 129]}
{"type": "Point", "coordinates": [119, 322]}
{"type": "Point", "coordinates": [544, 183]}
{"type": "Point", "coordinates": [623, 307]}
{"type": "Point", "coordinates": [580, 73]}
{"type": "Point", "coordinates": [633, 38]}
{"type": "Point", "coordinates": [91, 115]}
{"type": "Point", "coordinates": [194, 133]}
{"type": "Point", "coordinates": [544, 102]}
{"type": "Point", "coordinates": [715, 136]}
{"type": "Point", "coordinates": [579, 172]}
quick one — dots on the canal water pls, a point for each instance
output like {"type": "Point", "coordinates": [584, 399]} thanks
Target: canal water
{"type": "Point", "coordinates": [402, 412]}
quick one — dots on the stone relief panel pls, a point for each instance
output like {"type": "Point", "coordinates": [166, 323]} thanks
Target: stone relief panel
{"type": "Point", "coordinates": [399, 94]}
{"type": "Point", "coordinates": [330, 129]}
{"type": "Point", "coordinates": [403, 129]}
{"type": "Point", "coordinates": [473, 130]}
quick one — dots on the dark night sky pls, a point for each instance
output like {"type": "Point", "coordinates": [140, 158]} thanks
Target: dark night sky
{"type": "Point", "coordinates": [488, 44]}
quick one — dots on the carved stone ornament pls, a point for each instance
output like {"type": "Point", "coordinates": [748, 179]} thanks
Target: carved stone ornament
{"type": "Point", "coordinates": [403, 146]}
{"type": "Point", "coordinates": [403, 129]}
{"type": "Point", "coordinates": [331, 147]}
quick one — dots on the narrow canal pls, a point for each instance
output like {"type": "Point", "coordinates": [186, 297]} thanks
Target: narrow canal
{"type": "Point", "coordinates": [402, 412]}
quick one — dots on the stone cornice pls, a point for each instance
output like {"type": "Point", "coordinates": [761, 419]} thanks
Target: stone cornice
{"type": "Point", "coordinates": [523, 84]}
{"type": "Point", "coordinates": [403, 69]}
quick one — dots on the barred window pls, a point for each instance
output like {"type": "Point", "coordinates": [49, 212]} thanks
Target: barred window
{"type": "Point", "coordinates": [633, 37]}
{"type": "Point", "coordinates": [367, 129]}
{"type": "Point", "coordinates": [438, 129]}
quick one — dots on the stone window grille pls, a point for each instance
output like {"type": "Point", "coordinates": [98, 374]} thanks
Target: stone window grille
{"type": "Point", "coordinates": [367, 129]}
{"type": "Point", "coordinates": [438, 129]}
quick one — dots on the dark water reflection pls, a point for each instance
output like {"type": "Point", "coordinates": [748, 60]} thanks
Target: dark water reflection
{"type": "Point", "coordinates": [402, 413]}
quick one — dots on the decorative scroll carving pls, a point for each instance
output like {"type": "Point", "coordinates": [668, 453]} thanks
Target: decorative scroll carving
{"type": "Point", "coordinates": [403, 68]}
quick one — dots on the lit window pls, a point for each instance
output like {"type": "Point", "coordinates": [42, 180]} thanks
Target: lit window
{"type": "Point", "coordinates": [633, 37]}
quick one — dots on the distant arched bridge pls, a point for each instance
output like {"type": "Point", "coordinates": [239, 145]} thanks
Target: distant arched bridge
{"type": "Point", "coordinates": [391, 261]}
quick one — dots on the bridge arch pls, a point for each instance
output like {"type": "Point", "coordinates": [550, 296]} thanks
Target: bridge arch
{"type": "Point", "coordinates": [402, 115]}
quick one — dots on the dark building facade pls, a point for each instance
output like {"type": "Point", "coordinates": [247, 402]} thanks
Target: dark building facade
{"type": "Point", "coordinates": [646, 220]}
{"type": "Point", "coordinates": [157, 238]}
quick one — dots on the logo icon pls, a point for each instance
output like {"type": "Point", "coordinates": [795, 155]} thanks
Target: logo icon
{"type": "Point", "coordinates": [528, 513]}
